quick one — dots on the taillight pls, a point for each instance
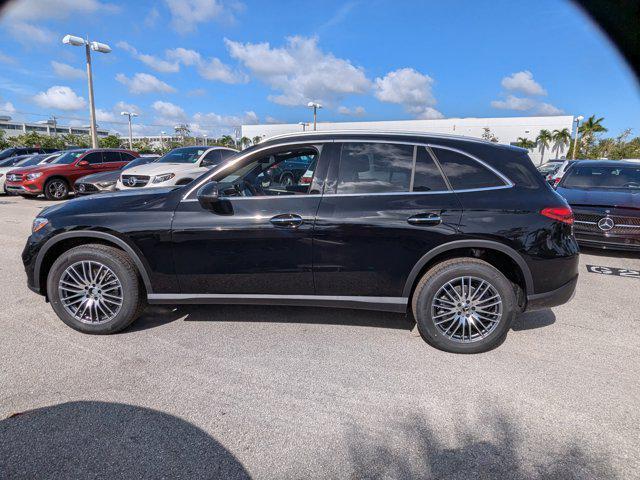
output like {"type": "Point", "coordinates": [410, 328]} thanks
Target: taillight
{"type": "Point", "coordinates": [305, 180]}
{"type": "Point", "coordinates": [561, 214]}
{"type": "Point", "coordinates": [556, 182]}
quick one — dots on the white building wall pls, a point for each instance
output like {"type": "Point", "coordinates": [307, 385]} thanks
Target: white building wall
{"type": "Point", "coordinates": [506, 130]}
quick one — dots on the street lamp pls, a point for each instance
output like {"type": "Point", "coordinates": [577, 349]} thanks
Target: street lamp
{"type": "Point", "coordinates": [130, 115]}
{"type": "Point", "coordinates": [204, 135]}
{"type": "Point", "coordinates": [162, 134]}
{"type": "Point", "coordinates": [96, 47]}
{"type": "Point", "coordinates": [579, 118]}
{"type": "Point", "coordinates": [315, 107]}
{"type": "Point", "coordinates": [304, 126]}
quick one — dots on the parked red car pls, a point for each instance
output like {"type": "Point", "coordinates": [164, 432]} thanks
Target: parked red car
{"type": "Point", "coordinates": [56, 179]}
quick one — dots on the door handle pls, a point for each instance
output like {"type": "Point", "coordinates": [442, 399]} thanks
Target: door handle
{"type": "Point", "coordinates": [287, 220]}
{"type": "Point", "coordinates": [425, 219]}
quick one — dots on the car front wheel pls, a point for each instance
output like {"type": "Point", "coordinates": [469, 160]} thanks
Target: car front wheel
{"type": "Point", "coordinates": [56, 189]}
{"type": "Point", "coordinates": [464, 305]}
{"type": "Point", "coordinates": [95, 289]}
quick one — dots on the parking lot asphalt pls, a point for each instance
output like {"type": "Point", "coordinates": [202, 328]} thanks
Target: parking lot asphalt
{"type": "Point", "coordinates": [279, 392]}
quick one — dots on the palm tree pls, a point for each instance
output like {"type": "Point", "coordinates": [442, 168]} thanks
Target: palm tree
{"type": "Point", "coordinates": [244, 142]}
{"type": "Point", "coordinates": [256, 140]}
{"type": "Point", "coordinates": [525, 143]}
{"type": "Point", "coordinates": [592, 126]}
{"type": "Point", "coordinates": [227, 141]}
{"type": "Point", "coordinates": [543, 139]}
{"type": "Point", "coordinates": [561, 139]}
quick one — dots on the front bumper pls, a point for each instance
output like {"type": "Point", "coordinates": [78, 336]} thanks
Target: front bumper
{"type": "Point", "coordinates": [20, 189]}
{"type": "Point", "coordinates": [553, 298]}
{"type": "Point", "coordinates": [609, 242]}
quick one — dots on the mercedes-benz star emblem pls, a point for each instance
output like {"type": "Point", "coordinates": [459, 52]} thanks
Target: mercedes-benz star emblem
{"type": "Point", "coordinates": [605, 224]}
{"type": "Point", "coordinates": [132, 181]}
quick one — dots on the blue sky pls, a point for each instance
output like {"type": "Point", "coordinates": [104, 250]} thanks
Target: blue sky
{"type": "Point", "coordinates": [217, 63]}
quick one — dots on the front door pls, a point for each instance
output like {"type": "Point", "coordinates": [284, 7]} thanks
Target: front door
{"type": "Point", "coordinates": [385, 206]}
{"type": "Point", "coordinates": [260, 240]}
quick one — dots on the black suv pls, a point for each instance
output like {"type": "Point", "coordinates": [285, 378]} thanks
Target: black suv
{"type": "Point", "coordinates": [463, 233]}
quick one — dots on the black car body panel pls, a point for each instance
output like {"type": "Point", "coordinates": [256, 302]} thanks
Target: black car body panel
{"type": "Point", "coordinates": [607, 218]}
{"type": "Point", "coordinates": [356, 250]}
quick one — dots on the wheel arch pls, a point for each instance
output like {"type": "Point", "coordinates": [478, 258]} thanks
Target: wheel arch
{"type": "Point", "coordinates": [64, 241]}
{"type": "Point", "coordinates": [447, 250]}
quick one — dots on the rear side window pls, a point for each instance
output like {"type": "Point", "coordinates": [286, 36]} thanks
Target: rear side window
{"type": "Point", "coordinates": [427, 177]}
{"type": "Point", "coordinates": [375, 168]}
{"type": "Point", "coordinates": [463, 172]}
{"type": "Point", "coordinates": [108, 157]}
{"type": "Point", "coordinates": [126, 157]}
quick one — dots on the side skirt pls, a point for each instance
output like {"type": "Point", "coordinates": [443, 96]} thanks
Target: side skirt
{"type": "Point", "coordinates": [386, 304]}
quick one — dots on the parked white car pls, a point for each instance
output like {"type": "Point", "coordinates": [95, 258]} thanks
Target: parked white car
{"type": "Point", "coordinates": [22, 161]}
{"type": "Point", "coordinates": [178, 167]}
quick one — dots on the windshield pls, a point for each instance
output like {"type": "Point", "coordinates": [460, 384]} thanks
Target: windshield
{"type": "Point", "coordinates": [9, 162]}
{"type": "Point", "coordinates": [68, 157]}
{"type": "Point", "coordinates": [603, 177]}
{"type": "Point", "coordinates": [7, 152]}
{"type": "Point", "coordinates": [29, 161]}
{"type": "Point", "coordinates": [139, 161]}
{"type": "Point", "coordinates": [182, 155]}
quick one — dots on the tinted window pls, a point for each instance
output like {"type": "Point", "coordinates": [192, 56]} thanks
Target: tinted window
{"type": "Point", "coordinates": [427, 177]}
{"type": "Point", "coordinates": [465, 173]}
{"type": "Point", "coordinates": [213, 157]}
{"type": "Point", "coordinates": [374, 168]}
{"type": "Point", "coordinates": [68, 157]}
{"type": "Point", "coordinates": [111, 157]}
{"type": "Point", "coordinates": [93, 158]}
{"type": "Point", "coordinates": [227, 154]}
{"type": "Point", "coordinates": [602, 177]}
{"type": "Point", "coordinates": [126, 157]}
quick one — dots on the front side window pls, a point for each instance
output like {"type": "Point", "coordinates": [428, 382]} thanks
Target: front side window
{"type": "Point", "coordinates": [68, 157]}
{"type": "Point", "coordinates": [463, 172]}
{"type": "Point", "coordinates": [276, 174]}
{"type": "Point", "coordinates": [94, 158]}
{"type": "Point", "coordinates": [374, 168]}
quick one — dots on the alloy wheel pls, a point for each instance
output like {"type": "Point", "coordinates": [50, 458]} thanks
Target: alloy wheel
{"type": "Point", "coordinates": [90, 292]}
{"type": "Point", "coordinates": [466, 309]}
{"type": "Point", "coordinates": [57, 189]}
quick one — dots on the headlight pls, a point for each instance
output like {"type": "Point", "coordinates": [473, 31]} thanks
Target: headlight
{"type": "Point", "coordinates": [33, 176]}
{"type": "Point", "coordinates": [38, 224]}
{"type": "Point", "coordinates": [163, 178]}
{"type": "Point", "coordinates": [106, 184]}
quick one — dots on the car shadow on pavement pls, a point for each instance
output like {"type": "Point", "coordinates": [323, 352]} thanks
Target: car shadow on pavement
{"type": "Point", "coordinates": [532, 320]}
{"type": "Point", "coordinates": [494, 447]}
{"type": "Point", "coordinates": [109, 440]}
{"type": "Point", "coordinates": [156, 315]}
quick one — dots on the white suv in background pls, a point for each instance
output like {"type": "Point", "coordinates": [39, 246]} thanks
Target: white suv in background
{"type": "Point", "coordinates": [178, 167]}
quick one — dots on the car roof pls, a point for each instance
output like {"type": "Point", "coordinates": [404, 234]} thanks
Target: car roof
{"type": "Point", "coordinates": [386, 135]}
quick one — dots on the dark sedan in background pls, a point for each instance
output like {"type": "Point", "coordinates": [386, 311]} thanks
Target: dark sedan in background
{"type": "Point", "coordinates": [106, 181]}
{"type": "Point", "coordinates": [605, 198]}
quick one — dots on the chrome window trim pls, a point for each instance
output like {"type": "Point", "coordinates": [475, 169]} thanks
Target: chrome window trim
{"type": "Point", "coordinates": [501, 176]}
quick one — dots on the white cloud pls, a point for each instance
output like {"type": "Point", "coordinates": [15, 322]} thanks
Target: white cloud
{"type": "Point", "coordinates": [272, 120]}
{"type": "Point", "coordinates": [144, 83]}
{"type": "Point", "coordinates": [169, 111]}
{"type": "Point", "coordinates": [126, 107]}
{"type": "Point", "coordinates": [60, 98]}
{"type": "Point", "coordinates": [409, 88]}
{"type": "Point", "coordinates": [7, 108]}
{"type": "Point", "coordinates": [353, 112]}
{"type": "Point", "coordinates": [106, 116]}
{"type": "Point", "coordinates": [27, 33]}
{"type": "Point", "coordinates": [512, 102]}
{"type": "Point", "coordinates": [151, 61]}
{"type": "Point", "coordinates": [67, 71]}
{"type": "Point", "coordinates": [197, 92]}
{"type": "Point", "coordinates": [301, 71]}
{"type": "Point", "coordinates": [185, 56]}
{"type": "Point", "coordinates": [214, 69]}
{"type": "Point", "coordinates": [152, 17]}
{"type": "Point", "coordinates": [47, 9]}
{"type": "Point", "coordinates": [186, 14]}
{"type": "Point", "coordinates": [523, 82]}
{"type": "Point", "coordinates": [548, 109]}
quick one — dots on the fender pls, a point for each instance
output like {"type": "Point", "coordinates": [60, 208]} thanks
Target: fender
{"type": "Point", "coordinates": [140, 265]}
{"type": "Point", "coordinates": [488, 244]}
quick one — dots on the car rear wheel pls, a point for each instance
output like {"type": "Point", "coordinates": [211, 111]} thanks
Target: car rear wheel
{"type": "Point", "coordinates": [464, 305]}
{"type": "Point", "coordinates": [95, 289]}
{"type": "Point", "coordinates": [56, 189]}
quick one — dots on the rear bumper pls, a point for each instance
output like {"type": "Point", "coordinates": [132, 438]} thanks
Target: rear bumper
{"type": "Point", "coordinates": [553, 298]}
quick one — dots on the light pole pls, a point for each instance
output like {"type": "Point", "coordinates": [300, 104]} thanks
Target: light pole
{"type": "Point", "coordinates": [579, 118]}
{"type": "Point", "coordinates": [162, 134]}
{"type": "Point", "coordinates": [96, 47]}
{"type": "Point", "coordinates": [315, 107]}
{"type": "Point", "coordinates": [130, 115]}
{"type": "Point", "coordinates": [304, 126]}
{"type": "Point", "coordinates": [204, 136]}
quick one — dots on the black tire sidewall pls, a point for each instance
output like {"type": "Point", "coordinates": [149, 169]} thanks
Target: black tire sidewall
{"type": "Point", "coordinates": [46, 189]}
{"type": "Point", "coordinates": [130, 288]}
{"type": "Point", "coordinates": [425, 296]}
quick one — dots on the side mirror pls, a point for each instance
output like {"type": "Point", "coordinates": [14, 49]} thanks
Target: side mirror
{"type": "Point", "coordinates": [83, 163]}
{"type": "Point", "coordinates": [208, 195]}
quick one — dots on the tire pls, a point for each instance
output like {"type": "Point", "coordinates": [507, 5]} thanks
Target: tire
{"type": "Point", "coordinates": [56, 189]}
{"type": "Point", "coordinates": [115, 264]}
{"type": "Point", "coordinates": [439, 311]}
{"type": "Point", "coordinates": [287, 180]}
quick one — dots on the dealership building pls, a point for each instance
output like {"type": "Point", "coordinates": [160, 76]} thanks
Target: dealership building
{"type": "Point", "coordinates": [505, 130]}
{"type": "Point", "coordinates": [13, 128]}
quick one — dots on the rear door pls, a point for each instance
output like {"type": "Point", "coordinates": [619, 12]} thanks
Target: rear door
{"type": "Point", "coordinates": [385, 205]}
